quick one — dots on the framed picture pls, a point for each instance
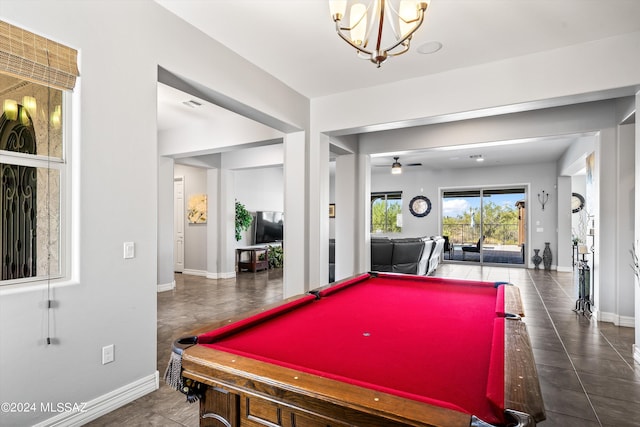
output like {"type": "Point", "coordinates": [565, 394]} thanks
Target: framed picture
{"type": "Point", "coordinates": [332, 210]}
{"type": "Point", "coordinates": [197, 209]}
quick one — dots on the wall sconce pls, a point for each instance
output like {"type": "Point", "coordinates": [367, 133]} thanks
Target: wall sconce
{"type": "Point", "coordinates": [543, 199]}
{"type": "Point", "coordinates": [29, 102]}
{"type": "Point", "coordinates": [10, 109]}
{"type": "Point", "coordinates": [56, 117]}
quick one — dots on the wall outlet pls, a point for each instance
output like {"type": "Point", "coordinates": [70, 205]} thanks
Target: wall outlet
{"type": "Point", "coordinates": [108, 354]}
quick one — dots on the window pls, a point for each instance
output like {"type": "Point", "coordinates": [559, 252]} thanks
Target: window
{"type": "Point", "coordinates": [31, 170]}
{"type": "Point", "coordinates": [36, 77]}
{"type": "Point", "coordinates": [385, 208]}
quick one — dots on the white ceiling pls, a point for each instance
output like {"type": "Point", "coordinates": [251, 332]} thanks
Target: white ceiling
{"type": "Point", "coordinates": [295, 41]}
{"type": "Point", "coordinates": [520, 152]}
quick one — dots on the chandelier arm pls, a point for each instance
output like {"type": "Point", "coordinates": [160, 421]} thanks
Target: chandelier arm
{"type": "Point", "coordinates": [338, 20]}
{"type": "Point", "coordinates": [407, 38]}
{"type": "Point", "coordinates": [349, 42]}
{"type": "Point", "coordinates": [406, 48]}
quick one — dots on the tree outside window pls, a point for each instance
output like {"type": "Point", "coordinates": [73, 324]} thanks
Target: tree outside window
{"type": "Point", "coordinates": [385, 208]}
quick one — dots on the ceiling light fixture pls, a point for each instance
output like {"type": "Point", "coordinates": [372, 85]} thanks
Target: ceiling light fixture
{"type": "Point", "coordinates": [396, 167]}
{"type": "Point", "coordinates": [362, 19]}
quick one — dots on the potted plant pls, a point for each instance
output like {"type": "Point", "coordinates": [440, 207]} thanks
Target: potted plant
{"type": "Point", "coordinates": [275, 256]}
{"type": "Point", "coordinates": [243, 220]}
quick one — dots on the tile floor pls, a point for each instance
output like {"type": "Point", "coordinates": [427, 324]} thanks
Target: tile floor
{"type": "Point", "coordinates": [586, 370]}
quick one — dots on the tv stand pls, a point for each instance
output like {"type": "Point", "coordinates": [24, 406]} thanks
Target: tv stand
{"type": "Point", "coordinates": [258, 258]}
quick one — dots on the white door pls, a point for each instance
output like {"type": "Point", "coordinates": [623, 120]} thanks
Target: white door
{"type": "Point", "coordinates": [178, 224]}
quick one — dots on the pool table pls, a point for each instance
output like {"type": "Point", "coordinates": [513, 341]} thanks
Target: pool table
{"type": "Point", "coordinates": [373, 350]}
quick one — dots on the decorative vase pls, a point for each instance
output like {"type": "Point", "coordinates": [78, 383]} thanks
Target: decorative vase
{"type": "Point", "coordinates": [536, 258]}
{"type": "Point", "coordinates": [547, 257]}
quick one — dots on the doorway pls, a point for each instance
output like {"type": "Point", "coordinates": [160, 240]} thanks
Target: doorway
{"type": "Point", "coordinates": [485, 225]}
{"type": "Point", "coordinates": [178, 224]}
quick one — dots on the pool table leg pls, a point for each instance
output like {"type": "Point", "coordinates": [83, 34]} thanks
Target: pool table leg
{"type": "Point", "coordinates": [219, 407]}
{"type": "Point", "coordinates": [514, 418]}
{"type": "Point", "coordinates": [520, 418]}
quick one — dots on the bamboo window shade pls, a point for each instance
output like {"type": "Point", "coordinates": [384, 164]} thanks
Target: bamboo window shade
{"type": "Point", "coordinates": [31, 57]}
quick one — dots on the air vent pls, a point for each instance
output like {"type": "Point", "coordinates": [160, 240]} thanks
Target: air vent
{"type": "Point", "coordinates": [192, 104]}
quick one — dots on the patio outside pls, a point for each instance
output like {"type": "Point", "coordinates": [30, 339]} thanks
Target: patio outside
{"type": "Point", "coordinates": [500, 220]}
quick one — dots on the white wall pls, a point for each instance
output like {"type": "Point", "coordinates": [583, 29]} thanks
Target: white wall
{"type": "Point", "coordinates": [623, 310]}
{"type": "Point", "coordinates": [259, 190]}
{"type": "Point", "coordinates": [412, 182]}
{"type": "Point", "coordinates": [166, 236]}
{"type": "Point", "coordinates": [112, 300]}
{"type": "Point", "coordinates": [636, 227]}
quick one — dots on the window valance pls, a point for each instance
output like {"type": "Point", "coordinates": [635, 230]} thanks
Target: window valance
{"type": "Point", "coordinates": [31, 57]}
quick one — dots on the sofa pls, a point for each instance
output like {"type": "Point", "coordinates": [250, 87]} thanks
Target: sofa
{"type": "Point", "coordinates": [419, 255]}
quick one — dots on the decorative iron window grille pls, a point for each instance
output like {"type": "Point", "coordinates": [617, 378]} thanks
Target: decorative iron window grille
{"type": "Point", "coordinates": [18, 202]}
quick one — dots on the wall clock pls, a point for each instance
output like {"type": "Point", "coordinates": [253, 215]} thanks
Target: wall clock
{"type": "Point", "coordinates": [577, 202]}
{"type": "Point", "coordinates": [420, 206]}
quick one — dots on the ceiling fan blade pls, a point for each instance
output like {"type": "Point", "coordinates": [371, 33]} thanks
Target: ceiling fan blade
{"type": "Point", "coordinates": [413, 164]}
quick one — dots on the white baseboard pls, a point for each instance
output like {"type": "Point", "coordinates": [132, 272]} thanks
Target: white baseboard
{"type": "Point", "coordinates": [167, 286]}
{"type": "Point", "coordinates": [105, 403]}
{"type": "Point", "coordinates": [228, 275]}
{"type": "Point", "coordinates": [626, 321]}
{"type": "Point", "coordinates": [195, 272]}
{"type": "Point", "coordinates": [636, 353]}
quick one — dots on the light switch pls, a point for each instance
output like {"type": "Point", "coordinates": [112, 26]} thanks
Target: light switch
{"type": "Point", "coordinates": [129, 250]}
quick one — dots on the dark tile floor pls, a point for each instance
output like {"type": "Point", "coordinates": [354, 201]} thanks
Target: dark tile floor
{"type": "Point", "coordinates": [586, 370]}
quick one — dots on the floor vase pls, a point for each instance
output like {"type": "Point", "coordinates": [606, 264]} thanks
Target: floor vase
{"type": "Point", "coordinates": [547, 257]}
{"type": "Point", "coordinates": [536, 259]}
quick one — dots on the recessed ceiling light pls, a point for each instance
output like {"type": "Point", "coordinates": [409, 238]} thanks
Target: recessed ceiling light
{"type": "Point", "coordinates": [429, 47]}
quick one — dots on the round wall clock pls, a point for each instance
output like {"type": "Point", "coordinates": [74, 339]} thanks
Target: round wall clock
{"type": "Point", "coordinates": [420, 206]}
{"type": "Point", "coordinates": [577, 202]}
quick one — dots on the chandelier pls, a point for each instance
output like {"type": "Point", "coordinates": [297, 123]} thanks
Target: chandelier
{"type": "Point", "coordinates": [403, 18]}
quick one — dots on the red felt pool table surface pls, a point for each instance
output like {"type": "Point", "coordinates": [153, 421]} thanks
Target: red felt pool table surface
{"type": "Point", "coordinates": [432, 340]}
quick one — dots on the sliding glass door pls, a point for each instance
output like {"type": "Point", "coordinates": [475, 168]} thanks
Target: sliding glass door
{"type": "Point", "coordinates": [486, 225]}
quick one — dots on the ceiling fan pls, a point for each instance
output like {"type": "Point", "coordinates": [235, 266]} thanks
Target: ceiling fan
{"type": "Point", "coordinates": [396, 167]}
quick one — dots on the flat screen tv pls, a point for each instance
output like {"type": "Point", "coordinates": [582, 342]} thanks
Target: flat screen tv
{"type": "Point", "coordinates": [269, 227]}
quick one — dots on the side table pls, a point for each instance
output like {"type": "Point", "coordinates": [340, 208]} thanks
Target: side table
{"type": "Point", "coordinates": [258, 259]}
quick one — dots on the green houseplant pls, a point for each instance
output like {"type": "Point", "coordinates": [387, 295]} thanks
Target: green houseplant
{"type": "Point", "coordinates": [243, 220]}
{"type": "Point", "coordinates": [275, 256]}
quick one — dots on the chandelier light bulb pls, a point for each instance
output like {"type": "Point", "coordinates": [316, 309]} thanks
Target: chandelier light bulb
{"type": "Point", "coordinates": [337, 8]}
{"type": "Point", "coordinates": [407, 13]}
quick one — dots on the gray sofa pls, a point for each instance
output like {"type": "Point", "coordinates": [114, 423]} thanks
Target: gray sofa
{"type": "Point", "coordinates": [420, 255]}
